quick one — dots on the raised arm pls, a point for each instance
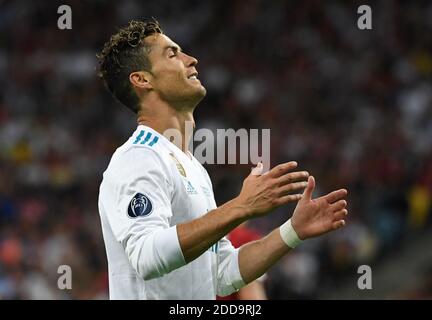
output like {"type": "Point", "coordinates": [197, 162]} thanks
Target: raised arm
{"type": "Point", "coordinates": [259, 195]}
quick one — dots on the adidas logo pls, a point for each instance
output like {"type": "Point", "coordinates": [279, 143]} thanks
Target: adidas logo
{"type": "Point", "coordinates": [190, 188]}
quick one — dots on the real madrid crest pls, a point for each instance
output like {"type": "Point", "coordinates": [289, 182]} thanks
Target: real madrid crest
{"type": "Point", "coordinates": [178, 165]}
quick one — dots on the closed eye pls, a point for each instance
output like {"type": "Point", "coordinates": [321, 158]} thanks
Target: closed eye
{"type": "Point", "coordinates": [173, 51]}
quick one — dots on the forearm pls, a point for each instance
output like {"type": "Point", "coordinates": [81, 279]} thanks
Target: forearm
{"type": "Point", "coordinates": [196, 236]}
{"type": "Point", "coordinates": [253, 291]}
{"type": "Point", "coordinates": [256, 257]}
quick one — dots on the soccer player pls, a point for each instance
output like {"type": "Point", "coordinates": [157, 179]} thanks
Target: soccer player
{"type": "Point", "coordinates": [163, 233]}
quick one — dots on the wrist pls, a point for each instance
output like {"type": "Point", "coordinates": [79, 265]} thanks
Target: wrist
{"type": "Point", "coordinates": [289, 235]}
{"type": "Point", "coordinates": [240, 211]}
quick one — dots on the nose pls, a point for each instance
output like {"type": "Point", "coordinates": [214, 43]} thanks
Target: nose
{"type": "Point", "coordinates": [191, 62]}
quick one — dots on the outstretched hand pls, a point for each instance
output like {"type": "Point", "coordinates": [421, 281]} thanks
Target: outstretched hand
{"type": "Point", "coordinates": [314, 217]}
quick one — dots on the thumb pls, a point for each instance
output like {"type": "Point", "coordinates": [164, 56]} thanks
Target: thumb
{"type": "Point", "coordinates": [307, 194]}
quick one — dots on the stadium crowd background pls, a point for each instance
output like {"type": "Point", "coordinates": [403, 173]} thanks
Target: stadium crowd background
{"type": "Point", "coordinates": [352, 107]}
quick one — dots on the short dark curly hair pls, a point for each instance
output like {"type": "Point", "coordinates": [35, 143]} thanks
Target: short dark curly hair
{"type": "Point", "coordinates": [124, 53]}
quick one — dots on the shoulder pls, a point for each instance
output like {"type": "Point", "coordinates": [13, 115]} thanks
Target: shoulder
{"type": "Point", "coordinates": [144, 138]}
{"type": "Point", "coordinates": [142, 153]}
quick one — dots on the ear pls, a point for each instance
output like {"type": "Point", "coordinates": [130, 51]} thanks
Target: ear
{"type": "Point", "coordinates": [140, 80]}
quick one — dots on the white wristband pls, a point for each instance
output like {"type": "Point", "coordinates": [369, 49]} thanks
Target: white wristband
{"type": "Point", "coordinates": [288, 235]}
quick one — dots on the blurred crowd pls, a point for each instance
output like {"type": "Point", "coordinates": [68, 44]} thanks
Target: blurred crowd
{"type": "Point", "coordinates": [353, 107]}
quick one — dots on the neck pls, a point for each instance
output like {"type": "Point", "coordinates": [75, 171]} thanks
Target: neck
{"type": "Point", "coordinates": [162, 117]}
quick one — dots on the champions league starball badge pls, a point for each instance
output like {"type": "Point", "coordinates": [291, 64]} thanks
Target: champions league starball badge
{"type": "Point", "coordinates": [140, 206]}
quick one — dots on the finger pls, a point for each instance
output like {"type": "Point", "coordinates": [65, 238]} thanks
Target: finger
{"type": "Point", "coordinates": [292, 187]}
{"type": "Point", "coordinates": [336, 195]}
{"type": "Point", "coordinates": [339, 205]}
{"type": "Point", "coordinates": [310, 188]}
{"type": "Point", "coordinates": [256, 171]}
{"type": "Point", "coordinates": [281, 169]}
{"type": "Point", "coordinates": [341, 214]}
{"type": "Point", "coordinates": [338, 224]}
{"type": "Point", "coordinates": [292, 177]}
{"type": "Point", "coordinates": [289, 198]}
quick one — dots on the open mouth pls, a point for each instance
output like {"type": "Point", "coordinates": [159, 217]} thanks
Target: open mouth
{"type": "Point", "coordinates": [193, 76]}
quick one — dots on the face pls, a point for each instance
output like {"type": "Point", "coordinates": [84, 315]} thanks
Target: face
{"type": "Point", "coordinates": [173, 74]}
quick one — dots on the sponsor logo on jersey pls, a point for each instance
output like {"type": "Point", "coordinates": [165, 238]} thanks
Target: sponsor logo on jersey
{"type": "Point", "coordinates": [190, 188]}
{"type": "Point", "coordinates": [140, 206]}
{"type": "Point", "coordinates": [180, 168]}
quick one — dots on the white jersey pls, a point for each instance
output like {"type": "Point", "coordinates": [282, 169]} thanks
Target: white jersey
{"type": "Point", "coordinates": [149, 187]}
